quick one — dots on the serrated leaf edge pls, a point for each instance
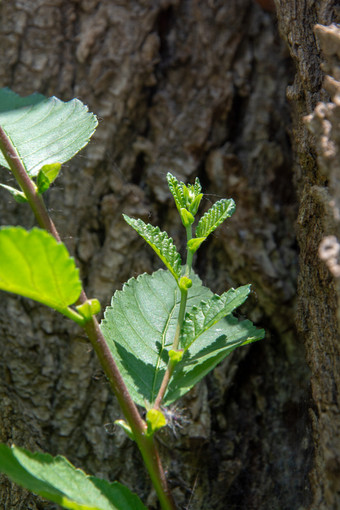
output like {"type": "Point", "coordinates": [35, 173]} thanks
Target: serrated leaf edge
{"type": "Point", "coordinates": [190, 317]}
{"type": "Point", "coordinates": [176, 191]}
{"type": "Point", "coordinates": [214, 217]}
{"type": "Point", "coordinates": [54, 104]}
{"type": "Point", "coordinates": [166, 250]}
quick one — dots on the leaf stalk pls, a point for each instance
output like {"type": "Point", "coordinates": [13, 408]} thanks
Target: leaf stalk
{"type": "Point", "coordinates": [190, 253]}
{"type": "Point", "coordinates": [73, 315]}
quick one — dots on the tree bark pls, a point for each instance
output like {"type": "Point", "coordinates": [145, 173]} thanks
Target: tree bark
{"type": "Point", "coordinates": [199, 89]}
{"type": "Point", "coordinates": [323, 350]}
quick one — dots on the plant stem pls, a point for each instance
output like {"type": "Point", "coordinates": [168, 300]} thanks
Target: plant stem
{"type": "Point", "coordinates": [180, 320]}
{"type": "Point", "coordinates": [189, 253]}
{"type": "Point", "coordinates": [145, 444]}
{"type": "Point", "coordinates": [27, 185]}
{"type": "Point", "coordinates": [138, 426]}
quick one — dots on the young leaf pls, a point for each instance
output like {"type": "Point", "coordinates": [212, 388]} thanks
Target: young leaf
{"type": "Point", "coordinates": [187, 198]}
{"type": "Point", "coordinates": [185, 283]}
{"type": "Point", "coordinates": [187, 217]}
{"type": "Point", "coordinates": [155, 420]}
{"type": "Point", "coordinates": [176, 189]}
{"type": "Point", "coordinates": [208, 313]}
{"type": "Point", "coordinates": [89, 308]}
{"type": "Point", "coordinates": [19, 196]}
{"type": "Point", "coordinates": [216, 215]}
{"type": "Point", "coordinates": [197, 187]}
{"type": "Point", "coordinates": [43, 130]}
{"type": "Point", "coordinates": [139, 328]}
{"type": "Point", "coordinates": [56, 479]}
{"type": "Point", "coordinates": [175, 356]}
{"type": "Point", "coordinates": [127, 429]}
{"type": "Point", "coordinates": [47, 174]}
{"type": "Point", "coordinates": [160, 242]}
{"type": "Point", "coordinates": [195, 203]}
{"type": "Point", "coordinates": [195, 243]}
{"type": "Point", "coordinates": [33, 264]}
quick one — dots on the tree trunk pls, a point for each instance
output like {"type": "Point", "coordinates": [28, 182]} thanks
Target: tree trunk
{"type": "Point", "coordinates": [198, 88]}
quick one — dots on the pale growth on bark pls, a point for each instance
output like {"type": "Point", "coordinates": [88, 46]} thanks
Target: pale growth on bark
{"type": "Point", "coordinates": [329, 250]}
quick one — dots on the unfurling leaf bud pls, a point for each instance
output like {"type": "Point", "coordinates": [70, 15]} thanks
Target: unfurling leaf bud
{"type": "Point", "coordinates": [186, 217]}
{"type": "Point", "coordinates": [175, 356]}
{"type": "Point", "coordinates": [185, 283]}
{"type": "Point", "coordinates": [155, 420]}
{"type": "Point", "coordinates": [89, 308]}
{"type": "Point", "coordinates": [195, 204]}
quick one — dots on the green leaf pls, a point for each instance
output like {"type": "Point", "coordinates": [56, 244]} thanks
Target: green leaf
{"type": "Point", "coordinates": [47, 174]}
{"type": "Point", "coordinates": [194, 244]}
{"type": "Point", "coordinates": [208, 313]}
{"type": "Point", "coordinates": [155, 420]}
{"type": "Point", "coordinates": [43, 182]}
{"type": "Point", "coordinates": [185, 283]}
{"type": "Point", "coordinates": [56, 479]}
{"type": "Point", "coordinates": [195, 203]}
{"type": "Point", "coordinates": [33, 264]}
{"type": "Point", "coordinates": [140, 326]}
{"type": "Point", "coordinates": [127, 429]}
{"type": "Point", "coordinates": [9, 100]}
{"type": "Point", "coordinates": [187, 198]}
{"type": "Point", "coordinates": [160, 242]}
{"type": "Point", "coordinates": [175, 356]}
{"type": "Point", "coordinates": [43, 130]}
{"type": "Point", "coordinates": [186, 217]}
{"type": "Point", "coordinates": [216, 215]}
{"type": "Point", "coordinates": [176, 189]}
{"type": "Point", "coordinates": [197, 187]}
{"type": "Point", "coordinates": [19, 196]}
{"type": "Point", "coordinates": [89, 308]}
{"type": "Point", "coordinates": [207, 351]}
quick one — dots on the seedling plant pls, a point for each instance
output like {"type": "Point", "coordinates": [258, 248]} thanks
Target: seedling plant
{"type": "Point", "coordinates": [162, 332]}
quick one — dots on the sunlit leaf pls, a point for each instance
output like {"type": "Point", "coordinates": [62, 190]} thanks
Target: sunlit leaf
{"type": "Point", "coordinates": [216, 215]}
{"type": "Point", "coordinates": [33, 264]}
{"type": "Point", "coordinates": [160, 242]}
{"type": "Point", "coordinates": [139, 328]}
{"type": "Point", "coordinates": [19, 196]}
{"type": "Point", "coordinates": [47, 174]}
{"type": "Point", "coordinates": [155, 420]}
{"type": "Point", "coordinates": [44, 130]}
{"type": "Point", "coordinates": [187, 197]}
{"type": "Point", "coordinates": [176, 189]}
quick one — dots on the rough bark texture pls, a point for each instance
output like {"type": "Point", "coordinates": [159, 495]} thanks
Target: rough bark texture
{"type": "Point", "coordinates": [317, 299]}
{"type": "Point", "coordinates": [324, 123]}
{"type": "Point", "coordinates": [197, 88]}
